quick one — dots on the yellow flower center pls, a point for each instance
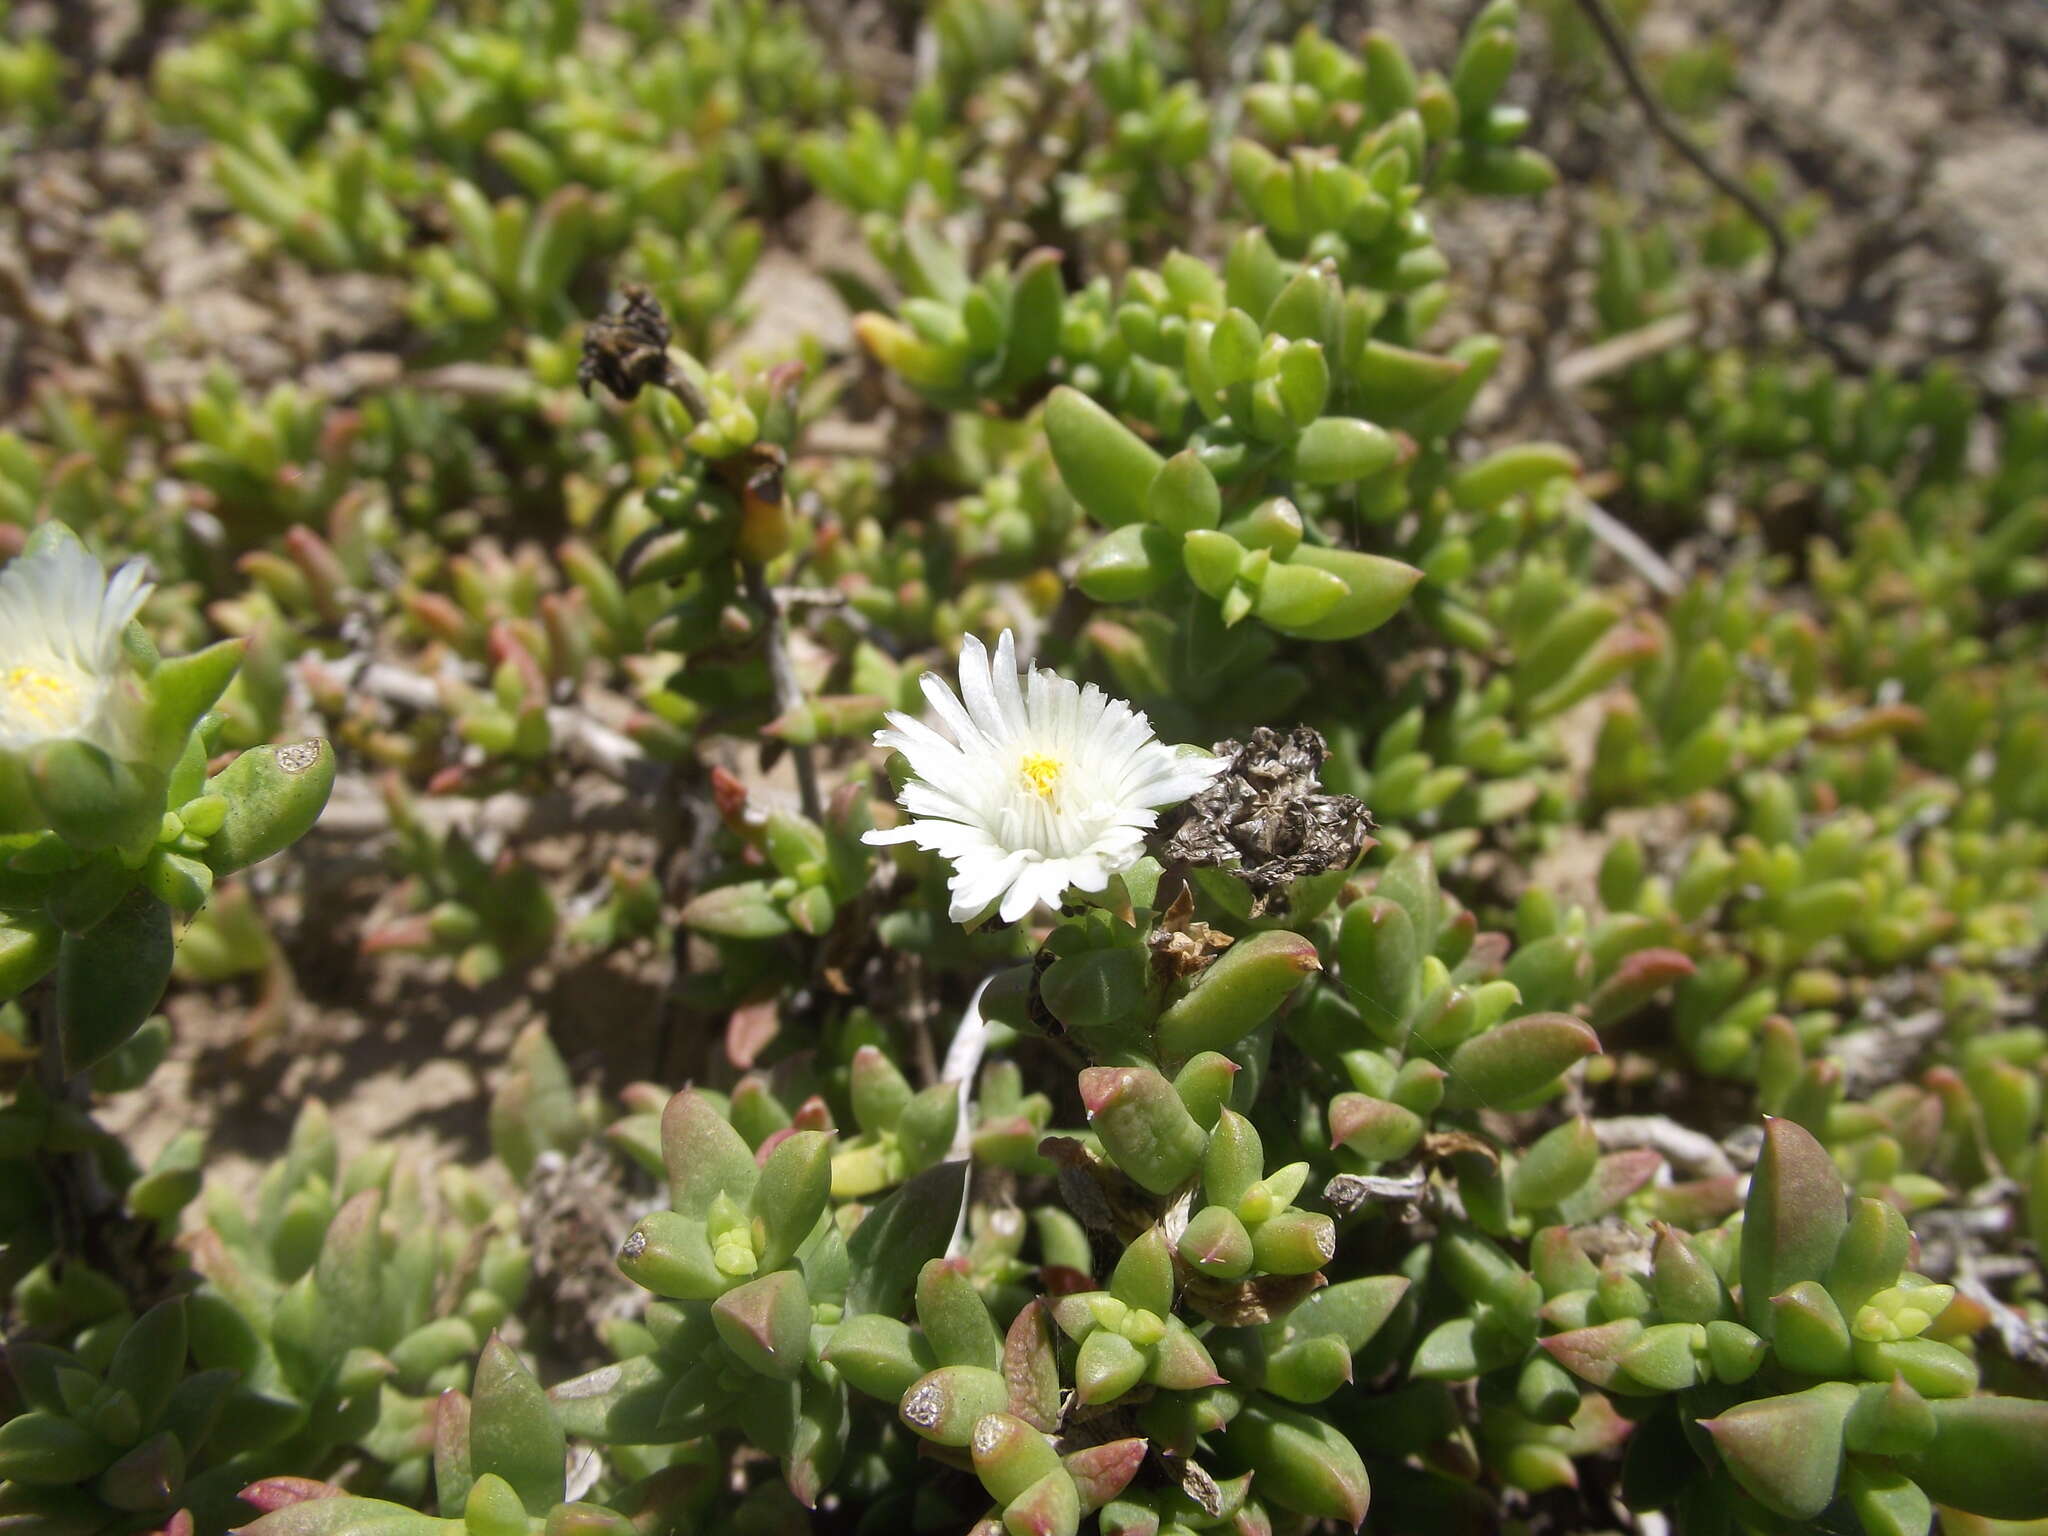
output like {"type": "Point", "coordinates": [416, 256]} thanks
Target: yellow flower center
{"type": "Point", "coordinates": [1041, 774]}
{"type": "Point", "coordinates": [50, 701]}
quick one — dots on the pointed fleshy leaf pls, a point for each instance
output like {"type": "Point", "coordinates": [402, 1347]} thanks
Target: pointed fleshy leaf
{"type": "Point", "coordinates": [1216, 1244]}
{"type": "Point", "coordinates": [766, 1323]}
{"type": "Point", "coordinates": [1300, 1462]}
{"type": "Point", "coordinates": [880, 1091]}
{"type": "Point", "coordinates": [955, 1318]}
{"type": "Point", "coordinates": [1380, 962]}
{"type": "Point", "coordinates": [670, 1255]}
{"type": "Point", "coordinates": [110, 979]}
{"type": "Point", "coordinates": [1684, 1284]}
{"type": "Point", "coordinates": [705, 1156]}
{"type": "Point", "coordinates": [1143, 1125]}
{"type": "Point", "coordinates": [452, 1471]}
{"type": "Point", "coordinates": [1031, 1366]}
{"type": "Point", "coordinates": [879, 1355]}
{"type": "Point", "coordinates": [946, 1404]}
{"type": "Point", "coordinates": [274, 795]}
{"type": "Point", "coordinates": [1049, 1507]}
{"type": "Point", "coordinates": [1010, 1455]}
{"type": "Point", "coordinates": [513, 1431]}
{"type": "Point", "coordinates": [1107, 1366]}
{"type": "Point", "coordinates": [1786, 1452]}
{"type": "Point", "coordinates": [1144, 1274]}
{"type": "Point", "coordinates": [1889, 1419]}
{"type": "Point", "coordinates": [1181, 1362]}
{"type": "Point", "coordinates": [1594, 1354]}
{"type": "Point", "coordinates": [1517, 1060]}
{"type": "Point", "coordinates": [898, 1237]}
{"type": "Point", "coordinates": [1989, 1457]}
{"type": "Point", "coordinates": [790, 1195]}
{"type": "Point", "coordinates": [1872, 1253]}
{"type": "Point", "coordinates": [1793, 1220]}
{"type": "Point", "coordinates": [1808, 1333]}
{"type": "Point", "coordinates": [1101, 1472]}
{"type": "Point", "coordinates": [1236, 994]}
{"type": "Point", "coordinates": [1108, 468]}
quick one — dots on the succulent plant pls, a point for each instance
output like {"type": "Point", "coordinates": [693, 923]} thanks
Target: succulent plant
{"type": "Point", "coordinates": [1361, 1129]}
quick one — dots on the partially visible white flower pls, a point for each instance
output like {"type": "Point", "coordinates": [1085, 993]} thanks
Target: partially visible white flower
{"type": "Point", "coordinates": [61, 663]}
{"type": "Point", "coordinates": [1042, 786]}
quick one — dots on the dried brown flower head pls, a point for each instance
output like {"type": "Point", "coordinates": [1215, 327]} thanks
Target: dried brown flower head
{"type": "Point", "coordinates": [626, 350]}
{"type": "Point", "coordinates": [1266, 818]}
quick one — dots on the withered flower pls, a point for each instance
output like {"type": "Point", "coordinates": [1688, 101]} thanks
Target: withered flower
{"type": "Point", "coordinates": [1266, 818]}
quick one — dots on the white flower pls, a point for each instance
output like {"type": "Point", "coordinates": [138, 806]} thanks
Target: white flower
{"type": "Point", "coordinates": [61, 620]}
{"type": "Point", "coordinates": [1042, 787]}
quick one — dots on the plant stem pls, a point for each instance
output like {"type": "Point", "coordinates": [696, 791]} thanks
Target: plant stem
{"type": "Point", "coordinates": [1617, 47]}
{"type": "Point", "coordinates": [789, 694]}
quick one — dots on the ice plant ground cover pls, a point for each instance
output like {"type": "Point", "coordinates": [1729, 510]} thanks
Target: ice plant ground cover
{"type": "Point", "coordinates": [765, 772]}
{"type": "Point", "coordinates": [1035, 787]}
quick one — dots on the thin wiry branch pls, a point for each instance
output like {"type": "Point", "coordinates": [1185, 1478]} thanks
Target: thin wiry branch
{"type": "Point", "coordinates": [1618, 50]}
